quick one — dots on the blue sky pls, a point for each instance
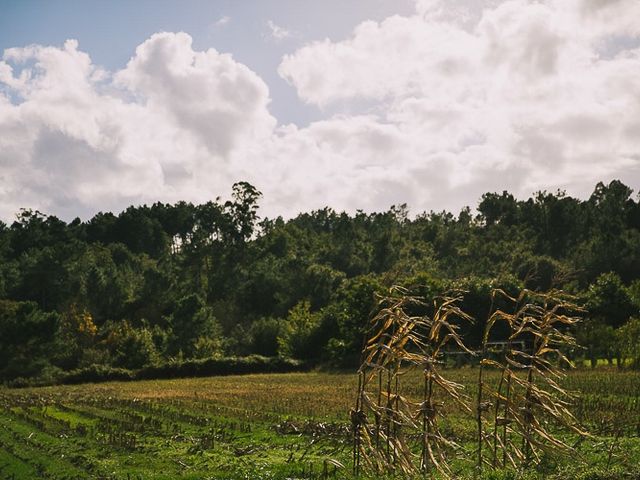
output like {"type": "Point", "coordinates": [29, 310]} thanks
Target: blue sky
{"type": "Point", "coordinates": [110, 30]}
{"type": "Point", "coordinates": [356, 104]}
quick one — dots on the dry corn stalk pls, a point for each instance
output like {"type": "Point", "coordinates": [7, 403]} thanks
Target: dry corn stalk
{"type": "Point", "coordinates": [400, 342]}
{"type": "Point", "coordinates": [528, 397]}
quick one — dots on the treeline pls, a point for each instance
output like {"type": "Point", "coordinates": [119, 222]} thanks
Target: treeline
{"type": "Point", "coordinates": [170, 283]}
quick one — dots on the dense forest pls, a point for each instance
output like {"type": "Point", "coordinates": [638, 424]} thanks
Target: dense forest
{"type": "Point", "coordinates": [168, 283]}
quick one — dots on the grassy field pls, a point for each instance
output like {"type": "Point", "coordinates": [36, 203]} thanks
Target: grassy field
{"type": "Point", "coordinates": [266, 426]}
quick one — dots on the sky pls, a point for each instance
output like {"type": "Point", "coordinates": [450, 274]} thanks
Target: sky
{"type": "Point", "coordinates": [355, 105]}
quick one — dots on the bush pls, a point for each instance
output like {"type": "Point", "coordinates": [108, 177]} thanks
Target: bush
{"type": "Point", "coordinates": [264, 335]}
{"type": "Point", "coordinates": [131, 347]}
{"type": "Point", "coordinates": [206, 347]}
{"type": "Point", "coordinates": [297, 333]}
{"type": "Point", "coordinates": [97, 373]}
{"type": "Point", "coordinates": [190, 320]}
{"type": "Point", "coordinates": [19, 382]}
{"type": "Point", "coordinates": [220, 366]}
{"type": "Point", "coordinates": [174, 369]}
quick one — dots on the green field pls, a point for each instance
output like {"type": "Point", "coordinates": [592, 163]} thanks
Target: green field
{"type": "Point", "coordinates": [266, 426]}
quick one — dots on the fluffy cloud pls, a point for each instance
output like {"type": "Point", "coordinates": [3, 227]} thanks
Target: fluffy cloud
{"type": "Point", "coordinates": [516, 95]}
{"type": "Point", "coordinates": [75, 139]}
{"type": "Point", "coordinates": [431, 109]}
{"type": "Point", "coordinates": [208, 94]}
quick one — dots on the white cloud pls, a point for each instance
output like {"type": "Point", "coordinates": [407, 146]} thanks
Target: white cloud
{"type": "Point", "coordinates": [165, 127]}
{"type": "Point", "coordinates": [519, 100]}
{"type": "Point", "coordinates": [222, 21]}
{"type": "Point", "coordinates": [206, 94]}
{"type": "Point", "coordinates": [277, 32]}
{"type": "Point", "coordinates": [613, 17]}
{"type": "Point", "coordinates": [437, 108]}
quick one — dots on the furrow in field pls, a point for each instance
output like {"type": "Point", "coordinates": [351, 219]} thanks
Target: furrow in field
{"type": "Point", "coordinates": [12, 466]}
{"type": "Point", "coordinates": [49, 456]}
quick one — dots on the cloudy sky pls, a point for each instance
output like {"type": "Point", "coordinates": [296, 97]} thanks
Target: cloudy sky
{"type": "Point", "coordinates": [355, 104]}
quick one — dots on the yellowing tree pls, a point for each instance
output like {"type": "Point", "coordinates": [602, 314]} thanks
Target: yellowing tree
{"type": "Point", "coordinates": [78, 326]}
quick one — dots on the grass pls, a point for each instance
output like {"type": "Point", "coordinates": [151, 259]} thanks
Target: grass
{"type": "Point", "coordinates": [267, 426]}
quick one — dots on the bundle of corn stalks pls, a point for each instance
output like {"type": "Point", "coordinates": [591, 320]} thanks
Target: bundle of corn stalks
{"type": "Point", "coordinates": [519, 421]}
{"type": "Point", "coordinates": [383, 418]}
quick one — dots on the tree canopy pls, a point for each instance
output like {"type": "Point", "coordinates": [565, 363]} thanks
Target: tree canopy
{"type": "Point", "coordinates": [183, 280]}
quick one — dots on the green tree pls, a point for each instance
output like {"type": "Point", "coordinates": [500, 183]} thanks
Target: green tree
{"type": "Point", "coordinates": [131, 347]}
{"type": "Point", "coordinates": [609, 300]}
{"type": "Point", "coordinates": [597, 338]}
{"type": "Point", "coordinates": [76, 334]}
{"type": "Point", "coordinates": [263, 336]}
{"type": "Point", "coordinates": [297, 336]}
{"type": "Point", "coordinates": [348, 316]}
{"type": "Point", "coordinates": [628, 337]}
{"type": "Point", "coordinates": [496, 208]}
{"type": "Point", "coordinates": [609, 305]}
{"type": "Point", "coordinates": [27, 337]}
{"type": "Point", "coordinates": [191, 320]}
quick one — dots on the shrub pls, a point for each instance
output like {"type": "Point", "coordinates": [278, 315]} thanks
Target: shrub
{"type": "Point", "coordinates": [297, 334]}
{"type": "Point", "coordinates": [220, 366]}
{"type": "Point", "coordinates": [96, 373]}
{"type": "Point", "coordinates": [131, 347]}
{"type": "Point", "coordinates": [264, 335]}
